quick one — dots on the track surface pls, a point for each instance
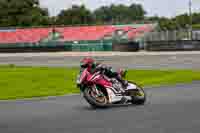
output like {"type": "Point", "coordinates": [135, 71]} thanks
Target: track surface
{"type": "Point", "coordinates": [140, 60]}
{"type": "Point", "coordinates": [168, 110]}
{"type": "Point", "coordinates": [172, 109]}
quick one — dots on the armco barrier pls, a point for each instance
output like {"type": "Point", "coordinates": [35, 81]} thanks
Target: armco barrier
{"type": "Point", "coordinates": [182, 45]}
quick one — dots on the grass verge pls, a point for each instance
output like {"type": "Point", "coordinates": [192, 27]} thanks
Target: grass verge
{"type": "Point", "coordinates": [28, 82]}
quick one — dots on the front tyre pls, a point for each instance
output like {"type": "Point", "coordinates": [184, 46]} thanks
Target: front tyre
{"type": "Point", "coordinates": [94, 100]}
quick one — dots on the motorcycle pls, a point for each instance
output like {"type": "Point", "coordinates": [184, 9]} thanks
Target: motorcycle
{"type": "Point", "coordinates": [100, 91]}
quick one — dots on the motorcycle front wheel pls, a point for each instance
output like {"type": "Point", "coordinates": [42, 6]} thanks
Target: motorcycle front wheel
{"type": "Point", "coordinates": [94, 100]}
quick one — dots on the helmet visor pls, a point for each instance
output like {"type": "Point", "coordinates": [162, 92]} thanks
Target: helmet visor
{"type": "Point", "coordinates": [83, 65]}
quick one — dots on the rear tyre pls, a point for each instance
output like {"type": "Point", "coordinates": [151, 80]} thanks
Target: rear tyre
{"type": "Point", "coordinates": [95, 102]}
{"type": "Point", "coordinates": [139, 97]}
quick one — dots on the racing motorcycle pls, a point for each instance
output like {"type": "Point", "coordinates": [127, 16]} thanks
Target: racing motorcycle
{"type": "Point", "coordinates": [100, 91]}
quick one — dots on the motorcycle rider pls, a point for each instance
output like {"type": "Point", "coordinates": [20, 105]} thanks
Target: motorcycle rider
{"type": "Point", "coordinates": [93, 66]}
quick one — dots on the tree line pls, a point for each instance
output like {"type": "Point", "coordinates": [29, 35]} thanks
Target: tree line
{"type": "Point", "coordinates": [24, 13]}
{"type": "Point", "coordinates": [183, 21]}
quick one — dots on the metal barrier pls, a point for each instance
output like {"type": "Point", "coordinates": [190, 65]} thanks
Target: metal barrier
{"type": "Point", "coordinates": [179, 45]}
{"type": "Point", "coordinates": [172, 35]}
{"type": "Point", "coordinates": [172, 40]}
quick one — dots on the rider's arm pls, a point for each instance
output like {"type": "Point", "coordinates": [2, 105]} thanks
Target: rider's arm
{"type": "Point", "coordinates": [105, 68]}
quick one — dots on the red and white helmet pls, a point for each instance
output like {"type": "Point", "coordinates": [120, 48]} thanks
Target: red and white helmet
{"type": "Point", "coordinates": [87, 62]}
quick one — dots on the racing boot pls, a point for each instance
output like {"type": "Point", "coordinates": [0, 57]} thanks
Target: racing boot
{"type": "Point", "coordinates": [124, 84]}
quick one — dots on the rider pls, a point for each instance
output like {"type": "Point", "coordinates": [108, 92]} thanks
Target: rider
{"type": "Point", "coordinates": [94, 66]}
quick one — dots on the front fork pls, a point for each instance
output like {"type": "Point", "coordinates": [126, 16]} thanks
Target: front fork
{"type": "Point", "coordinates": [94, 89]}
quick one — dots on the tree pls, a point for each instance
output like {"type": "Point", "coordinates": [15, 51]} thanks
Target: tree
{"type": "Point", "coordinates": [120, 13]}
{"type": "Point", "coordinates": [196, 18]}
{"type": "Point", "coordinates": [182, 20]}
{"type": "Point", "coordinates": [167, 24]}
{"type": "Point", "coordinates": [137, 12]}
{"type": "Point", "coordinates": [103, 14]}
{"type": "Point", "coordinates": [22, 13]}
{"type": "Point", "coordinates": [75, 15]}
{"type": "Point", "coordinates": [179, 22]}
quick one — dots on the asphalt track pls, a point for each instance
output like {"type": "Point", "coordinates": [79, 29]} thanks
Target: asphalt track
{"type": "Point", "coordinates": [172, 109]}
{"type": "Point", "coordinates": [140, 60]}
{"type": "Point", "coordinates": [168, 110]}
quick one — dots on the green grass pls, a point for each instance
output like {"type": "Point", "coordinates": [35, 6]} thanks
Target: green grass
{"type": "Point", "coordinates": [27, 82]}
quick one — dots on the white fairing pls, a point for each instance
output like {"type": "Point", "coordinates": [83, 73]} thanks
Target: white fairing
{"type": "Point", "coordinates": [112, 96]}
{"type": "Point", "coordinates": [131, 86]}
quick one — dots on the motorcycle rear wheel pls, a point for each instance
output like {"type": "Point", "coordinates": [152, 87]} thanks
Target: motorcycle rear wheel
{"type": "Point", "coordinates": [139, 97]}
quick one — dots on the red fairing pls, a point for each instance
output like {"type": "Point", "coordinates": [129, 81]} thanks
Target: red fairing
{"type": "Point", "coordinates": [95, 78]}
{"type": "Point", "coordinates": [102, 81]}
{"type": "Point", "coordinates": [83, 77]}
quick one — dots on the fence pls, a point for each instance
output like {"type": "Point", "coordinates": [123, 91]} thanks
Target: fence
{"type": "Point", "coordinates": [182, 45]}
{"type": "Point", "coordinates": [172, 35]}
{"type": "Point", "coordinates": [181, 40]}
